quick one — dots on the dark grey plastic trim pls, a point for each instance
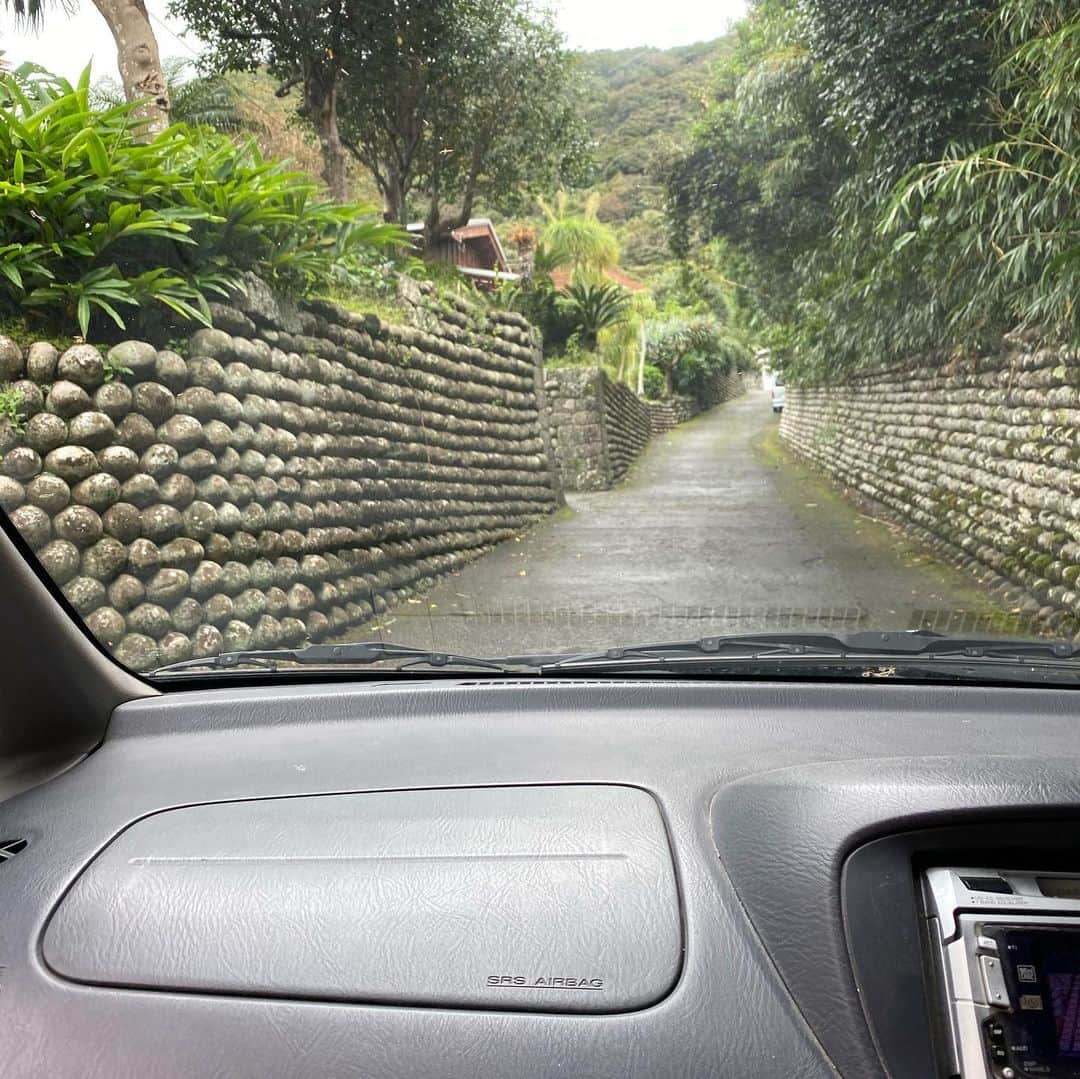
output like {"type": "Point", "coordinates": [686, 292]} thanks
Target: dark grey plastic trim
{"type": "Point", "coordinates": [551, 899]}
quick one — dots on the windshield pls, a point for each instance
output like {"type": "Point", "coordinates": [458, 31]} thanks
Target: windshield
{"type": "Point", "coordinates": [468, 326]}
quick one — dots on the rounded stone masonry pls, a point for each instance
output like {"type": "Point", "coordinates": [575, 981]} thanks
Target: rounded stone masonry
{"type": "Point", "coordinates": [149, 619]}
{"type": "Point", "coordinates": [135, 360]}
{"type": "Point", "coordinates": [143, 558]}
{"type": "Point", "coordinates": [98, 491]}
{"type": "Point", "coordinates": [83, 365]}
{"type": "Point", "coordinates": [41, 360]}
{"type": "Point", "coordinates": [11, 360]}
{"type": "Point", "coordinates": [66, 399]}
{"type": "Point", "coordinates": [114, 399]}
{"type": "Point", "coordinates": [49, 492]}
{"type": "Point", "coordinates": [138, 651]}
{"type": "Point", "coordinates": [30, 396]}
{"type": "Point", "coordinates": [79, 525]}
{"type": "Point", "coordinates": [167, 587]}
{"type": "Point", "coordinates": [71, 463]}
{"type": "Point", "coordinates": [233, 498]}
{"type": "Point", "coordinates": [107, 625]}
{"type": "Point", "coordinates": [94, 430]}
{"type": "Point", "coordinates": [21, 463]}
{"type": "Point", "coordinates": [85, 594]}
{"type": "Point", "coordinates": [153, 400]}
{"type": "Point", "coordinates": [126, 592]}
{"type": "Point", "coordinates": [106, 558]}
{"type": "Point", "coordinates": [170, 369]}
{"type": "Point", "coordinates": [12, 494]}
{"type": "Point", "coordinates": [33, 525]}
{"type": "Point", "coordinates": [61, 560]}
{"type": "Point", "coordinates": [119, 461]}
{"type": "Point", "coordinates": [206, 641]}
{"type": "Point", "coordinates": [136, 432]}
{"type": "Point", "coordinates": [45, 432]}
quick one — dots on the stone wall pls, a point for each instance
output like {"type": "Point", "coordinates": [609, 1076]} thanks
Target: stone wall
{"type": "Point", "coordinates": [284, 477]}
{"type": "Point", "coordinates": [669, 412]}
{"type": "Point", "coordinates": [981, 457]}
{"type": "Point", "coordinates": [598, 426]}
{"type": "Point", "coordinates": [627, 426]}
{"type": "Point", "coordinates": [722, 386]}
{"type": "Point", "coordinates": [576, 419]}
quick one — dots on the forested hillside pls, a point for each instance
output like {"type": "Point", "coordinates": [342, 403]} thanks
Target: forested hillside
{"type": "Point", "coordinates": [639, 106]}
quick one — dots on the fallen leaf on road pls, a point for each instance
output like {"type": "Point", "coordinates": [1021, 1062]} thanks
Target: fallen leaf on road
{"type": "Point", "coordinates": [521, 573]}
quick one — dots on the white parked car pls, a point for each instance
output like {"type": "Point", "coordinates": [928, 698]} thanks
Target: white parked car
{"type": "Point", "coordinates": [778, 394]}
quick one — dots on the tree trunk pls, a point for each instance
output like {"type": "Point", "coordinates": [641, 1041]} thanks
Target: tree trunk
{"type": "Point", "coordinates": [335, 170]}
{"type": "Point", "coordinates": [395, 195]}
{"type": "Point", "coordinates": [643, 347]}
{"type": "Point", "coordinates": [139, 60]}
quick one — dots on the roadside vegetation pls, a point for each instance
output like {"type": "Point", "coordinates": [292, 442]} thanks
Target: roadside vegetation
{"type": "Point", "coordinates": [891, 179]}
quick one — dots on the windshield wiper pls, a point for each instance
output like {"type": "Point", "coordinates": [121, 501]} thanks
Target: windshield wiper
{"type": "Point", "coordinates": [358, 654]}
{"type": "Point", "coordinates": [805, 646]}
{"type": "Point", "coordinates": [790, 649]}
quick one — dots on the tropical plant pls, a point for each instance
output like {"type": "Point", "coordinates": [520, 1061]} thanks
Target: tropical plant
{"type": "Point", "coordinates": [99, 224]}
{"type": "Point", "coordinates": [996, 230]}
{"type": "Point", "coordinates": [689, 350]}
{"type": "Point", "coordinates": [623, 346]}
{"type": "Point", "coordinates": [199, 100]}
{"type": "Point", "coordinates": [138, 57]}
{"type": "Point", "coordinates": [653, 382]}
{"type": "Point", "coordinates": [820, 110]}
{"type": "Point", "coordinates": [578, 240]}
{"type": "Point", "coordinates": [593, 306]}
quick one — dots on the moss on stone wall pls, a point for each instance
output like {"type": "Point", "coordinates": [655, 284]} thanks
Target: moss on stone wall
{"type": "Point", "coordinates": [980, 455]}
{"type": "Point", "coordinates": [292, 474]}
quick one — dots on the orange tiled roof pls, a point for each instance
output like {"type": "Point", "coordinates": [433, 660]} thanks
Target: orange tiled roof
{"type": "Point", "coordinates": [561, 278]}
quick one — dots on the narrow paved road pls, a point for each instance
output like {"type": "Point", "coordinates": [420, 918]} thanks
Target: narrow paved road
{"type": "Point", "coordinates": [716, 529]}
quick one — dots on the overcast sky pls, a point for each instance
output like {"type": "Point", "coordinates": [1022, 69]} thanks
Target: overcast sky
{"type": "Point", "coordinates": [68, 42]}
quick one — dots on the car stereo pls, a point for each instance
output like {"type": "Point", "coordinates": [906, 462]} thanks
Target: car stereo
{"type": "Point", "coordinates": [1007, 948]}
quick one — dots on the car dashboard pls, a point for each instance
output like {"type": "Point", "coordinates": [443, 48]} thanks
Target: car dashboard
{"type": "Point", "coordinates": [494, 877]}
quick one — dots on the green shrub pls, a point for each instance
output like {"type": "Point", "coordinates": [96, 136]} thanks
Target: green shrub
{"type": "Point", "coordinates": [654, 382]}
{"type": "Point", "coordinates": [96, 223]}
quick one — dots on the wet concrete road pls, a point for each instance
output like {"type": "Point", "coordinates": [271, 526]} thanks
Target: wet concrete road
{"type": "Point", "coordinates": [716, 529]}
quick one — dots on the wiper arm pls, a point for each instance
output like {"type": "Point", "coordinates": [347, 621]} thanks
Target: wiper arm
{"type": "Point", "coordinates": [736, 647]}
{"type": "Point", "coordinates": [867, 645]}
{"type": "Point", "coordinates": [359, 653]}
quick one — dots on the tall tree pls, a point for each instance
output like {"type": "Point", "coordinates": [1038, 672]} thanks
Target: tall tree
{"type": "Point", "coordinates": [305, 44]}
{"type": "Point", "coordinates": [137, 54]}
{"type": "Point", "coordinates": [823, 108]}
{"type": "Point", "coordinates": [462, 102]}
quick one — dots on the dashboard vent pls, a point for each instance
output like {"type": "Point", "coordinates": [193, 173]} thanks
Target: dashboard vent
{"type": "Point", "coordinates": [9, 848]}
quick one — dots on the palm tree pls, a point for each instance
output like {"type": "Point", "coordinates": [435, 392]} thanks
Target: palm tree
{"type": "Point", "coordinates": [594, 306]}
{"type": "Point", "coordinates": [137, 53]}
{"type": "Point", "coordinates": [581, 240]}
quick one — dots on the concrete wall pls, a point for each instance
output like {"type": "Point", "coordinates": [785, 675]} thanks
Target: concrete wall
{"type": "Point", "coordinates": [982, 457]}
{"type": "Point", "coordinates": [281, 479]}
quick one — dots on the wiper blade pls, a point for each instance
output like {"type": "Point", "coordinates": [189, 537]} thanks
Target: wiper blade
{"type": "Point", "coordinates": [808, 646]}
{"type": "Point", "coordinates": [358, 653]}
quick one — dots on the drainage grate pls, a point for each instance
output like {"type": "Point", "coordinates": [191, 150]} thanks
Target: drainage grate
{"type": "Point", "coordinates": [10, 847]}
